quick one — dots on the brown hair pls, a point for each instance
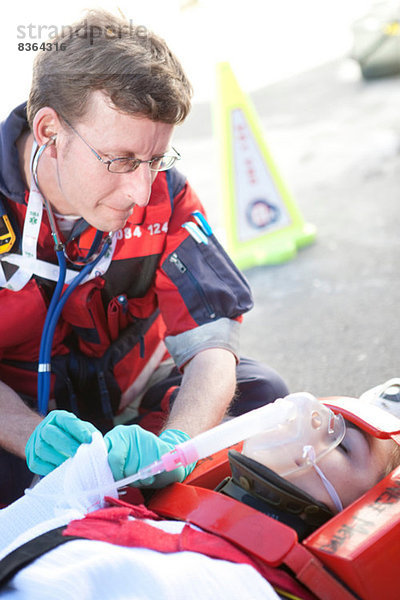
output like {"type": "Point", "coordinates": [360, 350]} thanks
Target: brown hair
{"type": "Point", "coordinates": [130, 64]}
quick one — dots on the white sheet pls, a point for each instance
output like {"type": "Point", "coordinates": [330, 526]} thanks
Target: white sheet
{"type": "Point", "coordinates": [91, 570]}
{"type": "Point", "coordinates": [59, 497]}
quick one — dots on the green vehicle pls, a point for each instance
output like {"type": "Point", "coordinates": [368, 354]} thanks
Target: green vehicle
{"type": "Point", "coordinates": [376, 45]}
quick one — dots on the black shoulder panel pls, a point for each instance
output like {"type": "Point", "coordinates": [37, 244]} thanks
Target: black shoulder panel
{"type": "Point", "coordinates": [130, 276]}
{"type": "Point", "coordinates": [176, 182]}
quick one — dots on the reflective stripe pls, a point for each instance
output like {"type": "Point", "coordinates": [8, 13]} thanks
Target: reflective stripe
{"type": "Point", "coordinates": [41, 268]}
{"type": "Point", "coordinates": [137, 388]}
{"type": "Point", "coordinates": [223, 333]}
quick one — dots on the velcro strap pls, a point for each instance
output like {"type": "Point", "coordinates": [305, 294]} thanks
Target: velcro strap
{"type": "Point", "coordinates": [311, 572]}
{"type": "Point", "coordinates": [268, 540]}
{"type": "Point", "coordinates": [238, 523]}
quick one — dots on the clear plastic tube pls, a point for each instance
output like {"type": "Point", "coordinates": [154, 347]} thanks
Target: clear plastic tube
{"type": "Point", "coordinates": [222, 436]}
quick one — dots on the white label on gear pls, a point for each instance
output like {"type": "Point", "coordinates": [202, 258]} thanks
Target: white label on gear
{"type": "Point", "coordinates": [259, 207]}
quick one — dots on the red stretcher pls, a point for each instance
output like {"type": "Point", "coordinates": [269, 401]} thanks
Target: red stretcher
{"type": "Point", "coordinates": [355, 555]}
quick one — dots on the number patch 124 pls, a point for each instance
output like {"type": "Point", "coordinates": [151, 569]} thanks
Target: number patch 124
{"type": "Point", "coordinates": [153, 229]}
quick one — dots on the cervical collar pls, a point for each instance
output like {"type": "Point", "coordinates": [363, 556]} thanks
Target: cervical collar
{"type": "Point", "coordinates": [257, 486]}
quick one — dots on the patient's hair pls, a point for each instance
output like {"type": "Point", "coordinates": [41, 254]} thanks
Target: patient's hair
{"type": "Point", "coordinates": [130, 64]}
{"type": "Point", "coordinates": [394, 460]}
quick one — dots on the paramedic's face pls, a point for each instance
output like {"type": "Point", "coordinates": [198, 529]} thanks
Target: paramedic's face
{"type": "Point", "coordinates": [353, 467]}
{"type": "Point", "coordinates": [88, 189]}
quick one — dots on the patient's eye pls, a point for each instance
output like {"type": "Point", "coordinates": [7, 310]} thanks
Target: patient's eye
{"type": "Point", "coordinates": [367, 437]}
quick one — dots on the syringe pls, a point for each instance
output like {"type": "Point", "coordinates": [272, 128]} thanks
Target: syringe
{"type": "Point", "coordinates": [222, 436]}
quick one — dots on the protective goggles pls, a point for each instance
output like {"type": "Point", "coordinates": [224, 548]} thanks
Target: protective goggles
{"type": "Point", "coordinates": [310, 424]}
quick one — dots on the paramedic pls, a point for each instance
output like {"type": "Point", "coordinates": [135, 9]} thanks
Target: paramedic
{"type": "Point", "coordinates": [101, 115]}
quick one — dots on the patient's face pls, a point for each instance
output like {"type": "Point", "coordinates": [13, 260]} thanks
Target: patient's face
{"type": "Point", "coordinates": [353, 467]}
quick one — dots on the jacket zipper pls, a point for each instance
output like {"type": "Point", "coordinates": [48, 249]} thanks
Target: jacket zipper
{"type": "Point", "coordinates": [182, 268]}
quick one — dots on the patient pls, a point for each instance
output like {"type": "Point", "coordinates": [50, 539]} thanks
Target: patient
{"type": "Point", "coordinates": [355, 465]}
{"type": "Point", "coordinates": [334, 467]}
{"type": "Point", "coordinates": [324, 462]}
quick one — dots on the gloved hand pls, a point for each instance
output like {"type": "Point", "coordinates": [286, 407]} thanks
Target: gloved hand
{"type": "Point", "coordinates": [130, 448]}
{"type": "Point", "coordinates": [55, 439]}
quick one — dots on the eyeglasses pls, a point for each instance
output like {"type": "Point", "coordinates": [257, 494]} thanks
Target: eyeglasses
{"type": "Point", "coordinates": [127, 165]}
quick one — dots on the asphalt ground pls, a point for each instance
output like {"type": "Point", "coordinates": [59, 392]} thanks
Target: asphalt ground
{"type": "Point", "coordinates": [326, 320]}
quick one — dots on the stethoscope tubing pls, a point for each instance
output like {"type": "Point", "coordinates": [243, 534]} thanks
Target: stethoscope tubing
{"type": "Point", "coordinates": [53, 314]}
{"type": "Point", "coordinates": [44, 359]}
{"type": "Point", "coordinates": [59, 298]}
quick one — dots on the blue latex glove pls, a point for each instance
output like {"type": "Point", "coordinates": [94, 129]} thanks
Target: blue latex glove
{"type": "Point", "coordinates": [55, 439]}
{"type": "Point", "coordinates": [131, 448]}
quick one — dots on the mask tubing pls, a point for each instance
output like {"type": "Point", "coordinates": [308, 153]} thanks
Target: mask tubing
{"type": "Point", "coordinates": [309, 453]}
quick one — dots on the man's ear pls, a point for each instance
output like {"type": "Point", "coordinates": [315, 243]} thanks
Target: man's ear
{"type": "Point", "coordinates": [46, 125]}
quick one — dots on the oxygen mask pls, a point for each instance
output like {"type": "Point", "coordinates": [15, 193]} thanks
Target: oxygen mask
{"type": "Point", "coordinates": [285, 449]}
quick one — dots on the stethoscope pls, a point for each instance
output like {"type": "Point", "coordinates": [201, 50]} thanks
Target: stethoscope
{"type": "Point", "coordinates": [100, 246]}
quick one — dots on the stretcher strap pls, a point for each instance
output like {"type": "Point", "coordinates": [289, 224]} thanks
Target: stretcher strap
{"type": "Point", "coordinates": [28, 552]}
{"type": "Point", "coordinates": [250, 530]}
{"type": "Point", "coordinates": [311, 572]}
{"type": "Point", "coordinates": [219, 514]}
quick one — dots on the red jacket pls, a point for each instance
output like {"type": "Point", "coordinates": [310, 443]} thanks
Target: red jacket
{"type": "Point", "coordinates": [161, 285]}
